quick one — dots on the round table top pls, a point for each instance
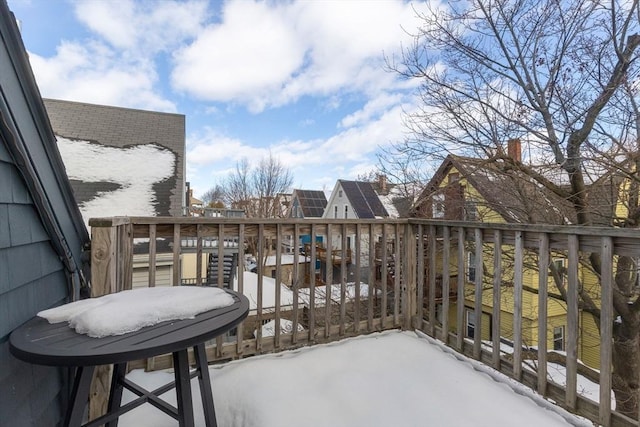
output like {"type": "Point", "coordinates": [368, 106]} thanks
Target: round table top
{"type": "Point", "coordinates": [40, 342]}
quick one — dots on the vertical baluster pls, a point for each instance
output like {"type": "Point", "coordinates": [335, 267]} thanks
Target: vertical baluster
{"type": "Point", "coordinates": [312, 286]}
{"type": "Point", "coordinates": [461, 291]}
{"type": "Point", "coordinates": [497, 309]}
{"type": "Point", "coordinates": [260, 291]}
{"type": "Point", "coordinates": [296, 283]}
{"type": "Point", "coordinates": [517, 306]}
{"type": "Point", "coordinates": [276, 337]}
{"type": "Point", "coordinates": [240, 330]}
{"type": "Point", "coordinates": [543, 293]}
{"type": "Point", "coordinates": [383, 275]}
{"type": "Point", "coordinates": [343, 281]}
{"type": "Point", "coordinates": [572, 322]}
{"type": "Point", "coordinates": [433, 255]}
{"type": "Point", "coordinates": [606, 330]}
{"type": "Point", "coordinates": [356, 262]}
{"type": "Point", "coordinates": [219, 279]}
{"type": "Point", "coordinates": [373, 292]}
{"type": "Point", "coordinates": [479, 272]}
{"type": "Point", "coordinates": [152, 255]}
{"type": "Point", "coordinates": [329, 281]}
{"type": "Point", "coordinates": [199, 255]}
{"type": "Point", "coordinates": [420, 276]}
{"type": "Point", "coordinates": [444, 308]}
{"type": "Point", "coordinates": [396, 276]}
{"type": "Point", "coordinates": [177, 247]}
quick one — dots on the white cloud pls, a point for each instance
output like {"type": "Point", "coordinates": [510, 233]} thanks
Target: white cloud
{"type": "Point", "coordinates": [252, 52]}
{"type": "Point", "coordinates": [213, 148]}
{"type": "Point", "coordinates": [253, 55]}
{"type": "Point", "coordinates": [372, 108]}
{"type": "Point", "coordinates": [118, 65]}
{"type": "Point", "coordinates": [262, 55]}
{"type": "Point", "coordinates": [142, 26]}
{"type": "Point", "coordinates": [90, 74]}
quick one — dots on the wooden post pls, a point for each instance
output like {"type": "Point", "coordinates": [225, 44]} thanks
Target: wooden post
{"type": "Point", "coordinates": [409, 287]}
{"type": "Point", "coordinates": [108, 244]}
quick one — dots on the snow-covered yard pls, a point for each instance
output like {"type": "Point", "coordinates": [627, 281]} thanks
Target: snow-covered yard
{"type": "Point", "coordinates": [384, 379]}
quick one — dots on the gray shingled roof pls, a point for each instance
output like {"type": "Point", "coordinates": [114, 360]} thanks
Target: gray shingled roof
{"type": "Point", "coordinates": [518, 198]}
{"type": "Point", "coordinates": [124, 127]}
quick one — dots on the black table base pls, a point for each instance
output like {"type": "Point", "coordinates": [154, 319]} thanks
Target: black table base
{"type": "Point", "coordinates": [183, 413]}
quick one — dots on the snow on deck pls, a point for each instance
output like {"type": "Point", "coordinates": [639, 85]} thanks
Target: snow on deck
{"type": "Point", "coordinates": [384, 379]}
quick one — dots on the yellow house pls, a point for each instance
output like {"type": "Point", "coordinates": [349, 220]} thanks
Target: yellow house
{"type": "Point", "coordinates": [471, 189]}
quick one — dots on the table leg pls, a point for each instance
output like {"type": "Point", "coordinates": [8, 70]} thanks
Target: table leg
{"type": "Point", "coordinates": [79, 396]}
{"type": "Point", "coordinates": [117, 387]}
{"type": "Point", "coordinates": [205, 385]}
{"type": "Point", "coordinates": [183, 388]}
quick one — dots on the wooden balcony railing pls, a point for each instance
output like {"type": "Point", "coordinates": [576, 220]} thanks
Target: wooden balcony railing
{"type": "Point", "coordinates": [487, 293]}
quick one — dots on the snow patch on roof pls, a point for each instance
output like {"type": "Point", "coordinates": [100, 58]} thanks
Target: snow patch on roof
{"type": "Point", "coordinates": [135, 169]}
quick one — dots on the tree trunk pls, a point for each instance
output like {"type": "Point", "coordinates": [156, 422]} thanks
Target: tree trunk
{"type": "Point", "coordinates": [626, 368]}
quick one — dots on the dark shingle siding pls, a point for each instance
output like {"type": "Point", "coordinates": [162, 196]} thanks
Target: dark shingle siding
{"type": "Point", "coordinates": [32, 276]}
{"type": "Point", "coordinates": [9, 192]}
{"type": "Point", "coordinates": [21, 303]}
{"type": "Point", "coordinates": [19, 399]}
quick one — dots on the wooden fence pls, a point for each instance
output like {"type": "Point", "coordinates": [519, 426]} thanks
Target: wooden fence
{"type": "Point", "coordinates": [386, 282]}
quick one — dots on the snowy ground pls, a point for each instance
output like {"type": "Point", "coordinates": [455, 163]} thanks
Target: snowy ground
{"type": "Point", "coordinates": [386, 379]}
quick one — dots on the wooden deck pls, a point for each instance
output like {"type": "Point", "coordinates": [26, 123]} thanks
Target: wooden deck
{"type": "Point", "coordinates": [422, 258]}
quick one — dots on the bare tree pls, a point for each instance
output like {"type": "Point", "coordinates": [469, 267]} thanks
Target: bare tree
{"type": "Point", "coordinates": [214, 197]}
{"type": "Point", "coordinates": [270, 181]}
{"type": "Point", "coordinates": [259, 190]}
{"type": "Point", "coordinates": [564, 78]}
{"type": "Point", "coordinates": [237, 186]}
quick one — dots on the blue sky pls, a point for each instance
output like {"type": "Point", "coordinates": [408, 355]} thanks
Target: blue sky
{"type": "Point", "coordinates": [304, 80]}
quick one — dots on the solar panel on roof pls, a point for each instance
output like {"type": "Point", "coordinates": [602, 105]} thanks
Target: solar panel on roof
{"type": "Point", "coordinates": [363, 199]}
{"type": "Point", "coordinates": [312, 202]}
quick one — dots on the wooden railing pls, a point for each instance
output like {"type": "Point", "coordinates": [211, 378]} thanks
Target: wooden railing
{"type": "Point", "coordinates": [498, 300]}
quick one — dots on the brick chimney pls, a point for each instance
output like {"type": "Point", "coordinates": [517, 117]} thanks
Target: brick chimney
{"type": "Point", "coordinates": [514, 149]}
{"type": "Point", "coordinates": [382, 183]}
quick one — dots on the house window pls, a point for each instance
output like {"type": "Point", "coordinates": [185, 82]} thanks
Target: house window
{"type": "Point", "coordinates": [558, 338]}
{"type": "Point", "coordinates": [438, 206]}
{"type": "Point", "coordinates": [335, 212]}
{"type": "Point", "coordinates": [346, 211]}
{"type": "Point", "coordinates": [339, 193]}
{"type": "Point", "coordinates": [471, 266]}
{"type": "Point", "coordinates": [470, 323]}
